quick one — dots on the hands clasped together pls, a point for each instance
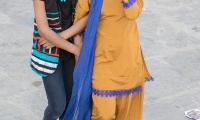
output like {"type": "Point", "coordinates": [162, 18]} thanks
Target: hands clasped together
{"type": "Point", "coordinates": [45, 43]}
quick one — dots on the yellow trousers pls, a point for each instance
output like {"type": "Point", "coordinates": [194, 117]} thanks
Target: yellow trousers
{"type": "Point", "coordinates": [129, 107]}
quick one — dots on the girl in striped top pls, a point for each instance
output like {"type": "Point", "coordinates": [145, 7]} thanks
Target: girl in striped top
{"type": "Point", "coordinates": [53, 54]}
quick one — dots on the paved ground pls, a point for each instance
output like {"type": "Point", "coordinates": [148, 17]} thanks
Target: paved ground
{"type": "Point", "coordinates": [170, 37]}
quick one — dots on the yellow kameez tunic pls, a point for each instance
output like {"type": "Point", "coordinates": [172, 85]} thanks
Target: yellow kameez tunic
{"type": "Point", "coordinates": [119, 63]}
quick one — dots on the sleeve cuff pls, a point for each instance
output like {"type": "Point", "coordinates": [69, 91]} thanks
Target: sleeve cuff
{"type": "Point", "coordinates": [80, 34]}
{"type": "Point", "coordinates": [128, 4]}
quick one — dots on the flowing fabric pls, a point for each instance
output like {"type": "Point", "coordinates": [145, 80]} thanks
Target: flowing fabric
{"type": "Point", "coordinates": [80, 105]}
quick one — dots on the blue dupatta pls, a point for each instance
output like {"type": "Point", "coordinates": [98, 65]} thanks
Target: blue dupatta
{"type": "Point", "coordinates": [80, 105]}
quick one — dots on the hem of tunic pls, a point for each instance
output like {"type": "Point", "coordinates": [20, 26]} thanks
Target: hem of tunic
{"type": "Point", "coordinates": [112, 93]}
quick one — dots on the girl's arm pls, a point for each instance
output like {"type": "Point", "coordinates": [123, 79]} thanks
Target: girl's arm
{"type": "Point", "coordinates": [82, 10]}
{"type": "Point", "coordinates": [47, 33]}
{"type": "Point", "coordinates": [132, 8]}
{"type": "Point", "coordinates": [78, 27]}
{"type": "Point", "coordinates": [78, 39]}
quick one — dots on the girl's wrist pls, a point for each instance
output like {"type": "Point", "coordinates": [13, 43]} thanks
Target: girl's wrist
{"type": "Point", "coordinates": [76, 50]}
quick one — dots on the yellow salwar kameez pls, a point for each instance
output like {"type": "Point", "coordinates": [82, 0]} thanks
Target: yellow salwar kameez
{"type": "Point", "coordinates": [119, 70]}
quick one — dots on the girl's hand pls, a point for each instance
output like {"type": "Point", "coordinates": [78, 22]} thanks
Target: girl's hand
{"type": "Point", "coordinates": [77, 52]}
{"type": "Point", "coordinates": [46, 43]}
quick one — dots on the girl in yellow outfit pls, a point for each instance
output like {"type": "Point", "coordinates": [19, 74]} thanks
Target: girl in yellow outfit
{"type": "Point", "coordinates": [119, 70]}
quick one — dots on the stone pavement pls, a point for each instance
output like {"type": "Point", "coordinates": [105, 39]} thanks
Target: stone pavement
{"type": "Point", "coordinates": [170, 38]}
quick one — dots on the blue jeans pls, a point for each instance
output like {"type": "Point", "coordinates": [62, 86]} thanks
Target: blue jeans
{"type": "Point", "coordinates": [58, 87]}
